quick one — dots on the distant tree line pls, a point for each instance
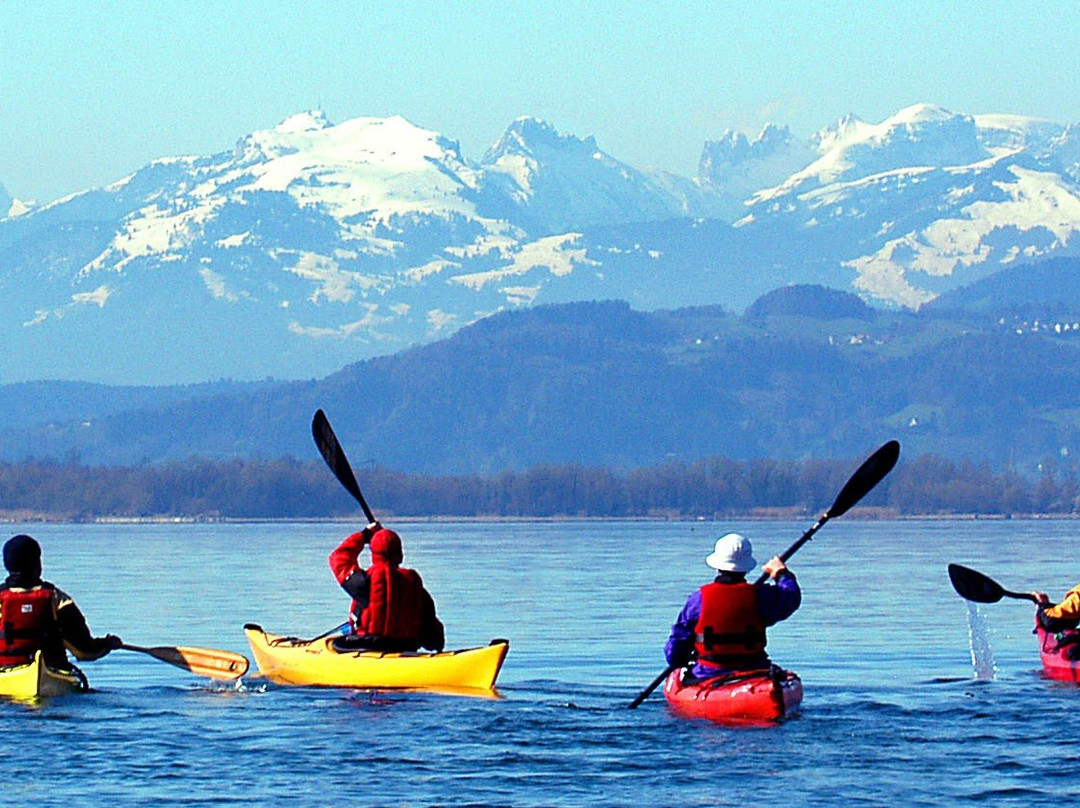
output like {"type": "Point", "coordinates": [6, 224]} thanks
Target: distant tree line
{"type": "Point", "coordinates": [714, 488]}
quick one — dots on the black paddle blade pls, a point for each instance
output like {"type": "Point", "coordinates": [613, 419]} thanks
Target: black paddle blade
{"type": "Point", "coordinates": [335, 458]}
{"type": "Point", "coordinates": [974, 586]}
{"type": "Point", "coordinates": [869, 474]}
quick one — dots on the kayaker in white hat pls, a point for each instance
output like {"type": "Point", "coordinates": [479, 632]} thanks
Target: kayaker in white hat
{"type": "Point", "coordinates": [722, 626]}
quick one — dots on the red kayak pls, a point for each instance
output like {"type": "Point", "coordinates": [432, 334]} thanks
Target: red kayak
{"type": "Point", "coordinates": [764, 696]}
{"type": "Point", "coordinates": [1060, 654]}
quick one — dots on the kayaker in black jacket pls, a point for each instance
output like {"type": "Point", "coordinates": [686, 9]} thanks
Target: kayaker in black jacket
{"type": "Point", "coordinates": [36, 615]}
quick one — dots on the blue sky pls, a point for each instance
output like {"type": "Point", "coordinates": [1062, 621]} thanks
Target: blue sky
{"type": "Point", "coordinates": [90, 92]}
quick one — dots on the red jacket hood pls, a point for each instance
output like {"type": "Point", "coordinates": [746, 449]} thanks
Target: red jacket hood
{"type": "Point", "coordinates": [386, 548]}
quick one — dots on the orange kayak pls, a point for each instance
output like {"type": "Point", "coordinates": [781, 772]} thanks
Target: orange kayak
{"type": "Point", "coordinates": [754, 696]}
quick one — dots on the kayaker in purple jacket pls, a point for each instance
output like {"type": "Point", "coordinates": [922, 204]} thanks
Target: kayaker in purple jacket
{"type": "Point", "coordinates": [722, 626]}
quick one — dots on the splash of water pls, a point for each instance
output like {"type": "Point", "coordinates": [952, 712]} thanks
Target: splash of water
{"type": "Point", "coordinates": [233, 686]}
{"type": "Point", "coordinates": [982, 655]}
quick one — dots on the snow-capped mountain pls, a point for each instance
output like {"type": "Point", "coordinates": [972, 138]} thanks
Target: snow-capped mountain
{"type": "Point", "coordinates": [928, 199]}
{"type": "Point", "coordinates": [310, 245]}
{"type": "Point", "coordinates": [306, 246]}
{"type": "Point", "coordinates": [560, 183]}
{"type": "Point", "coordinates": [734, 167]}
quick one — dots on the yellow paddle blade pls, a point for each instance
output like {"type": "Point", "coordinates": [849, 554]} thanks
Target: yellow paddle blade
{"type": "Point", "coordinates": [212, 662]}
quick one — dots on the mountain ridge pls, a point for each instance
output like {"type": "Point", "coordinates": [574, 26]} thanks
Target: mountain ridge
{"type": "Point", "coordinates": [807, 371]}
{"type": "Point", "coordinates": [311, 244]}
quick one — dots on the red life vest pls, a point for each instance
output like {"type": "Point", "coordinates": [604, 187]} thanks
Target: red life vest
{"type": "Point", "coordinates": [729, 626]}
{"type": "Point", "coordinates": [26, 622]}
{"type": "Point", "coordinates": [395, 610]}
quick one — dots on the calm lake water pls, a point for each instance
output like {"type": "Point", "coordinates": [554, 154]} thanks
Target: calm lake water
{"type": "Point", "coordinates": [893, 712]}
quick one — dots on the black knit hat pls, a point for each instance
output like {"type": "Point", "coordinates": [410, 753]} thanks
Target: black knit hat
{"type": "Point", "coordinates": [22, 553]}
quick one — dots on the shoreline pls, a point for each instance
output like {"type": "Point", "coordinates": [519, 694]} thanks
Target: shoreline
{"type": "Point", "coordinates": [763, 515]}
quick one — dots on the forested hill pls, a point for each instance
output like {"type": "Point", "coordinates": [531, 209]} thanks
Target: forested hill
{"type": "Point", "coordinates": [805, 372]}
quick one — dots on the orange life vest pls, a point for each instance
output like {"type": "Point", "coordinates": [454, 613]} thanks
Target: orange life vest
{"type": "Point", "coordinates": [729, 626]}
{"type": "Point", "coordinates": [26, 622]}
{"type": "Point", "coordinates": [396, 605]}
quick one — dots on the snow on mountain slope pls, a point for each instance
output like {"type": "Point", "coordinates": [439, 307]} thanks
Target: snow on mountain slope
{"type": "Point", "coordinates": [1064, 152]}
{"type": "Point", "coordinates": [734, 167]}
{"type": "Point", "coordinates": [1016, 131]}
{"type": "Point", "coordinates": [921, 135]}
{"type": "Point", "coordinates": [563, 182]}
{"type": "Point", "coordinates": [1036, 214]}
{"type": "Point", "coordinates": [310, 245]}
{"type": "Point", "coordinates": [364, 172]}
{"type": "Point", "coordinates": [340, 241]}
{"type": "Point", "coordinates": [368, 175]}
{"type": "Point", "coordinates": [928, 199]}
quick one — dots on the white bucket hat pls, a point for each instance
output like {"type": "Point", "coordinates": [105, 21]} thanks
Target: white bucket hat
{"type": "Point", "coordinates": [733, 553]}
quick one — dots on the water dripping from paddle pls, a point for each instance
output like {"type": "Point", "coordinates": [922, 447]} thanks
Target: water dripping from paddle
{"type": "Point", "coordinates": [233, 686]}
{"type": "Point", "coordinates": [982, 655]}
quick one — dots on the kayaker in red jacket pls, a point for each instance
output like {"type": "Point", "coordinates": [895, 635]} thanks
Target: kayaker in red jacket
{"type": "Point", "coordinates": [722, 626]}
{"type": "Point", "coordinates": [391, 610]}
{"type": "Point", "coordinates": [35, 615]}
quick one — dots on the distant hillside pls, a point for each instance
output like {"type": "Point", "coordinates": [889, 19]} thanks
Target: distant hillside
{"type": "Point", "coordinates": [603, 384]}
{"type": "Point", "coordinates": [1047, 288]}
{"type": "Point", "coordinates": [808, 300]}
{"type": "Point", "coordinates": [58, 401]}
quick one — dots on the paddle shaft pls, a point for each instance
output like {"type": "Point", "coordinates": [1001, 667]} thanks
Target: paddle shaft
{"type": "Point", "coordinates": [655, 683]}
{"type": "Point", "coordinates": [789, 552]}
{"type": "Point", "coordinates": [334, 455]}
{"type": "Point", "coordinates": [1020, 595]}
{"type": "Point", "coordinates": [211, 662]}
{"type": "Point", "coordinates": [868, 475]}
{"type": "Point", "coordinates": [335, 630]}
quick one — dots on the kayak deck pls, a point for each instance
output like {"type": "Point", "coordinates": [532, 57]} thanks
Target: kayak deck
{"type": "Point", "coordinates": [36, 680]}
{"type": "Point", "coordinates": [752, 697]}
{"type": "Point", "coordinates": [1060, 657]}
{"type": "Point", "coordinates": [292, 661]}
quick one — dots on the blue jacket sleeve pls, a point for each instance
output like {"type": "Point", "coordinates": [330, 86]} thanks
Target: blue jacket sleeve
{"type": "Point", "coordinates": [680, 643]}
{"type": "Point", "coordinates": [779, 601]}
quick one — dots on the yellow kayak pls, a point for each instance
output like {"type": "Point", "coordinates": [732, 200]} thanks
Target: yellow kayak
{"type": "Point", "coordinates": [292, 661]}
{"type": "Point", "coordinates": [36, 680]}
